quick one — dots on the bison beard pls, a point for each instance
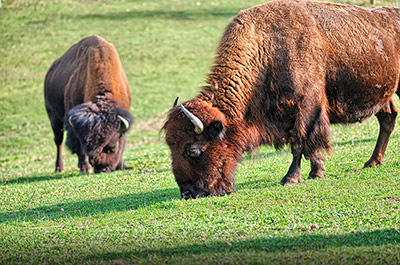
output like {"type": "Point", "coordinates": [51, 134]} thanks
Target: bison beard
{"type": "Point", "coordinates": [285, 71]}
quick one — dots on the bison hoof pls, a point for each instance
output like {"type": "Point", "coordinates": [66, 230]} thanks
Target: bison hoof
{"type": "Point", "coordinates": [85, 171]}
{"type": "Point", "coordinates": [315, 175]}
{"type": "Point", "coordinates": [290, 180]}
{"type": "Point", "coordinates": [59, 170]}
{"type": "Point", "coordinates": [372, 163]}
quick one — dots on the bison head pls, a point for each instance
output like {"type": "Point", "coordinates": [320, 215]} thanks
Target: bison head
{"type": "Point", "coordinates": [98, 133]}
{"type": "Point", "coordinates": [203, 160]}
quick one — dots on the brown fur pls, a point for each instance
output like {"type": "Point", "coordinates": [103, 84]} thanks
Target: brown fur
{"type": "Point", "coordinates": [283, 72]}
{"type": "Point", "coordinates": [88, 87]}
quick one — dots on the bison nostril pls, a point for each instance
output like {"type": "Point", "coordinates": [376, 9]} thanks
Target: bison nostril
{"type": "Point", "coordinates": [102, 170]}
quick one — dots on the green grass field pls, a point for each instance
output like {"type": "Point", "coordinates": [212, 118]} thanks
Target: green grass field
{"type": "Point", "coordinates": [137, 217]}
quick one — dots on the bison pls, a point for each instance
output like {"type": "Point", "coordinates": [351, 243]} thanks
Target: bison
{"type": "Point", "coordinates": [87, 93]}
{"type": "Point", "coordinates": [284, 71]}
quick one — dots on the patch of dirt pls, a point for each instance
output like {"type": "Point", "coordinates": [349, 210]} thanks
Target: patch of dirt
{"type": "Point", "coordinates": [152, 124]}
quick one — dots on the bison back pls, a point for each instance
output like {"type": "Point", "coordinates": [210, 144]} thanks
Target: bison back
{"type": "Point", "coordinates": [343, 56]}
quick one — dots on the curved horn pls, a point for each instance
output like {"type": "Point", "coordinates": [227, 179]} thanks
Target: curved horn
{"type": "Point", "coordinates": [176, 101]}
{"type": "Point", "coordinates": [125, 123]}
{"type": "Point", "coordinates": [70, 121]}
{"type": "Point", "coordinates": [198, 125]}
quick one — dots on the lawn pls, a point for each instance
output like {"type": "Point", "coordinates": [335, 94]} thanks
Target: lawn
{"type": "Point", "coordinates": [137, 216]}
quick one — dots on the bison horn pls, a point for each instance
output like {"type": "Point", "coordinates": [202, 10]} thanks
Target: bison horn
{"type": "Point", "coordinates": [125, 123]}
{"type": "Point", "coordinates": [175, 102]}
{"type": "Point", "coordinates": [70, 121]}
{"type": "Point", "coordinates": [198, 125]}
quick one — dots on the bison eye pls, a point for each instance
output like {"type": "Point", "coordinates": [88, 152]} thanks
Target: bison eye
{"type": "Point", "coordinates": [109, 149]}
{"type": "Point", "coordinates": [214, 129]}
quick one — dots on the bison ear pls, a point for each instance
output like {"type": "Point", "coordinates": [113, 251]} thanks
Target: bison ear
{"type": "Point", "coordinates": [215, 129]}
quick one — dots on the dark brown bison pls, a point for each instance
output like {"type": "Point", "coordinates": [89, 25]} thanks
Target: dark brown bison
{"type": "Point", "coordinates": [285, 71]}
{"type": "Point", "coordinates": [87, 93]}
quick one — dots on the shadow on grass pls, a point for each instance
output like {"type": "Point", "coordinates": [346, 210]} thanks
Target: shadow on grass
{"type": "Point", "coordinates": [164, 14]}
{"type": "Point", "coordinates": [38, 177]}
{"type": "Point", "coordinates": [91, 207]}
{"type": "Point", "coordinates": [41, 177]}
{"type": "Point", "coordinates": [56, 176]}
{"type": "Point", "coordinates": [306, 242]}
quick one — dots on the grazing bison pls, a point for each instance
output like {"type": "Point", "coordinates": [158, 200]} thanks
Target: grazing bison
{"type": "Point", "coordinates": [285, 71]}
{"type": "Point", "coordinates": [87, 93]}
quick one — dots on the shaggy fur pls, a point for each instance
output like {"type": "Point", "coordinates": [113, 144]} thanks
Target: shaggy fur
{"type": "Point", "coordinates": [285, 71]}
{"type": "Point", "coordinates": [86, 92]}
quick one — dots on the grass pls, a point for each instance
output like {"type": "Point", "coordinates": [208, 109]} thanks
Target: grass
{"type": "Point", "coordinates": [137, 217]}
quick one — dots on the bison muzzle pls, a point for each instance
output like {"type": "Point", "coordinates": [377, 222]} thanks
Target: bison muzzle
{"type": "Point", "coordinates": [284, 72]}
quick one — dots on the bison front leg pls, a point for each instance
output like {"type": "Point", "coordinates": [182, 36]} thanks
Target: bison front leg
{"type": "Point", "coordinates": [387, 119]}
{"type": "Point", "coordinates": [293, 176]}
{"type": "Point", "coordinates": [317, 141]}
{"type": "Point", "coordinates": [83, 164]}
{"type": "Point", "coordinates": [317, 166]}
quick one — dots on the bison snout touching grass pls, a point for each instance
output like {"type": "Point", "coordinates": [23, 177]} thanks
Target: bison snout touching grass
{"type": "Point", "coordinates": [87, 93]}
{"type": "Point", "coordinates": [284, 72]}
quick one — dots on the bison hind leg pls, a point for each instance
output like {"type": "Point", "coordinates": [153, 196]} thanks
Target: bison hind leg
{"type": "Point", "coordinates": [58, 131]}
{"type": "Point", "coordinates": [387, 119]}
{"type": "Point", "coordinates": [317, 142]}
